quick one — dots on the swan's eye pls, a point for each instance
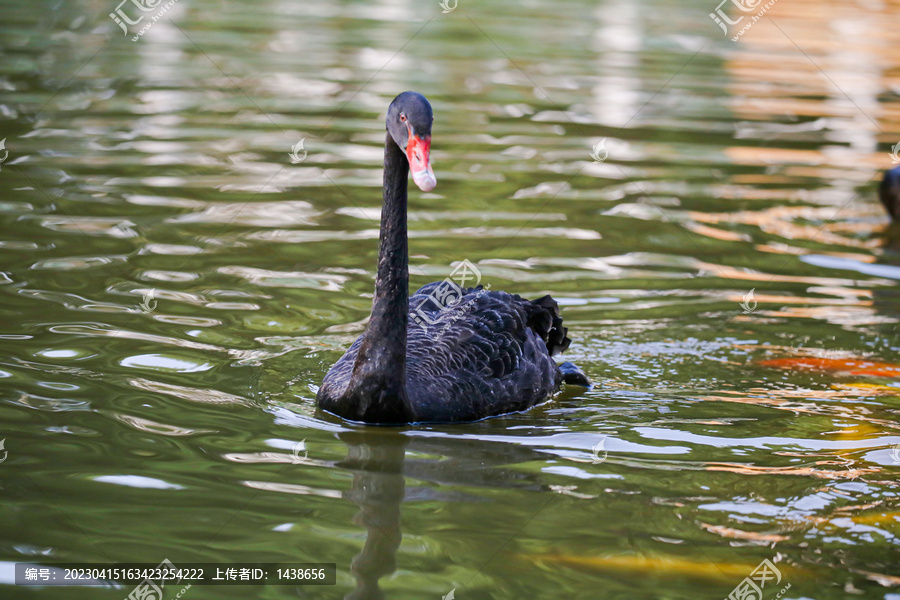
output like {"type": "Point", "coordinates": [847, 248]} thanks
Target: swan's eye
{"type": "Point", "coordinates": [403, 117]}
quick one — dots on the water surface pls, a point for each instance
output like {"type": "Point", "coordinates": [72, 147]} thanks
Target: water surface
{"type": "Point", "coordinates": [174, 288]}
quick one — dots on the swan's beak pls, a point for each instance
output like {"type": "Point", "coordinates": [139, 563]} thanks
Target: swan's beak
{"type": "Point", "coordinates": [418, 151]}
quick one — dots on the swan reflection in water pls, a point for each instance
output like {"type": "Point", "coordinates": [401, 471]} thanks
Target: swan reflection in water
{"type": "Point", "coordinates": [378, 489]}
{"type": "Point", "coordinates": [378, 462]}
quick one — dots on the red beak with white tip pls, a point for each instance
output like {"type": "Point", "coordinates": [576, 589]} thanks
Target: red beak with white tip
{"type": "Point", "coordinates": [418, 152]}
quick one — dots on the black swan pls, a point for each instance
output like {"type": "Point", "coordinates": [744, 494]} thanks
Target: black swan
{"type": "Point", "coordinates": [890, 193]}
{"type": "Point", "coordinates": [490, 357]}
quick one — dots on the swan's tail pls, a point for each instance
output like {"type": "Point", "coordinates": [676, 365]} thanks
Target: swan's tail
{"type": "Point", "coordinates": [544, 319]}
{"type": "Point", "coordinates": [573, 375]}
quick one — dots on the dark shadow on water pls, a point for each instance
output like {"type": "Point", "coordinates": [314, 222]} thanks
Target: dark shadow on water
{"type": "Point", "coordinates": [891, 239]}
{"type": "Point", "coordinates": [887, 299]}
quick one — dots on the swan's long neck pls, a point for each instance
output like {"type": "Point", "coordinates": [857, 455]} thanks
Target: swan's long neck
{"type": "Point", "coordinates": [379, 376]}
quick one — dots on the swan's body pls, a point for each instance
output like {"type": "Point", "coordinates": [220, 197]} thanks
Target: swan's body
{"type": "Point", "coordinates": [493, 359]}
{"type": "Point", "coordinates": [487, 354]}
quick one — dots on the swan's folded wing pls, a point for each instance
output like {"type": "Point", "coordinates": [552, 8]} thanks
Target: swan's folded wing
{"type": "Point", "coordinates": [485, 354]}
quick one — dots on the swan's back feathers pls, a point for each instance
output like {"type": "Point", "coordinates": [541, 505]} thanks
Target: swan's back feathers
{"type": "Point", "coordinates": [541, 315]}
{"type": "Point", "coordinates": [486, 354]}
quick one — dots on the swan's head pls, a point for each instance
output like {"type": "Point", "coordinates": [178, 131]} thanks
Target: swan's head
{"type": "Point", "coordinates": [409, 122]}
